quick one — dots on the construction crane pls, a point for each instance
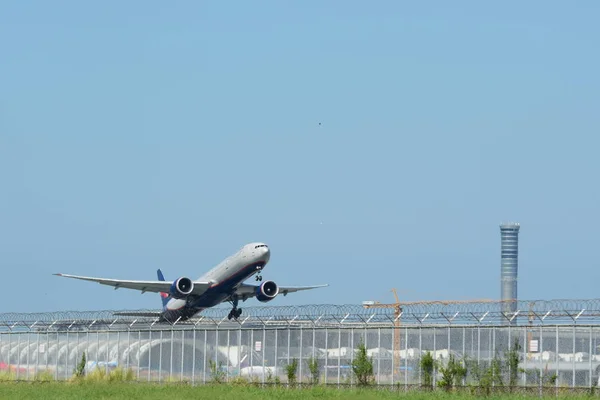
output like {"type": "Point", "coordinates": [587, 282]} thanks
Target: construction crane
{"type": "Point", "coordinates": [397, 312]}
{"type": "Point", "coordinates": [397, 307]}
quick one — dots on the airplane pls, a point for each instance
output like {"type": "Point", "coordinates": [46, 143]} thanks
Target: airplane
{"type": "Point", "coordinates": [184, 298]}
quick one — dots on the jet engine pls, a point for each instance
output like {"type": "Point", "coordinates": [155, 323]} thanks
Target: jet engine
{"type": "Point", "coordinates": [267, 291]}
{"type": "Point", "coordinates": [181, 288]}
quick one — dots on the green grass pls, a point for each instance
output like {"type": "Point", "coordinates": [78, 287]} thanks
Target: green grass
{"type": "Point", "coordinates": [86, 389]}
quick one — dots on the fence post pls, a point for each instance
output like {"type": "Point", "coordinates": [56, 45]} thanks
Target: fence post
{"type": "Point", "coordinates": [326, 355]}
{"type": "Point", "coordinates": [205, 356]}
{"type": "Point", "coordinates": [378, 355]}
{"type": "Point", "coordinates": [160, 352]}
{"type": "Point", "coordinates": [590, 358]}
{"type": "Point", "coordinates": [56, 352]}
{"type": "Point", "coordinates": [182, 354]}
{"type": "Point", "coordinates": [509, 349]}
{"type": "Point", "coordinates": [352, 354]}
{"type": "Point", "coordinates": [573, 357]}
{"type": "Point", "coordinates": [405, 358]}
{"type": "Point", "coordinates": [263, 349]}
{"type": "Point", "coordinates": [150, 333]}
{"type": "Point", "coordinates": [118, 348]}
{"type": "Point", "coordinates": [541, 373]}
{"type": "Point", "coordinates": [128, 348]}
{"type": "Point", "coordinates": [107, 348]}
{"type": "Point", "coordinates": [339, 355]}
{"type": "Point", "coordinates": [300, 357]}
{"type": "Point", "coordinates": [138, 352]}
{"type": "Point", "coordinates": [420, 354]}
{"type": "Point", "coordinates": [217, 350]}
{"type": "Point", "coordinates": [194, 357]}
{"type": "Point", "coordinates": [171, 355]}
{"type": "Point", "coordinates": [37, 358]}
{"type": "Point", "coordinates": [228, 357]}
{"type": "Point", "coordinates": [435, 356]}
{"type": "Point", "coordinates": [239, 350]}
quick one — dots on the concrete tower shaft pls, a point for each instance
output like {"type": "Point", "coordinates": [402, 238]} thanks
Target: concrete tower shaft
{"type": "Point", "coordinates": [509, 264]}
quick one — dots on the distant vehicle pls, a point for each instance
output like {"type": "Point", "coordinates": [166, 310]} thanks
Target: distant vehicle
{"type": "Point", "coordinates": [184, 298]}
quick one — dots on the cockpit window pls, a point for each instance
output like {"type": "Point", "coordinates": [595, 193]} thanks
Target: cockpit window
{"type": "Point", "coordinates": [260, 245]}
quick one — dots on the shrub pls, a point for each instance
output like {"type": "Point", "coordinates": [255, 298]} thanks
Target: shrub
{"type": "Point", "coordinates": [80, 369]}
{"type": "Point", "coordinates": [513, 359]}
{"type": "Point", "coordinates": [97, 375]}
{"type": "Point", "coordinates": [44, 376]}
{"type": "Point", "coordinates": [362, 366]}
{"type": "Point", "coordinates": [121, 375]}
{"type": "Point", "coordinates": [313, 367]}
{"type": "Point", "coordinates": [218, 376]}
{"type": "Point", "coordinates": [452, 374]}
{"type": "Point", "coordinates": [290, 370]}
{"type": "Point", "coordinates": [427, 368]}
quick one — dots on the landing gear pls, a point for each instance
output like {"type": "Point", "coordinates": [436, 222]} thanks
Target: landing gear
{"type": "Point", "coordinates": [235, 312]}
{"type": "Point", "coordinates": [258, 276]}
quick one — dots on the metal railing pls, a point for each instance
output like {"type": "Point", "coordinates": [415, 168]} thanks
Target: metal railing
{"type": "Point", "coordinates": [570, 353]}
{"type": "Point", "coordinates": [558, 342]}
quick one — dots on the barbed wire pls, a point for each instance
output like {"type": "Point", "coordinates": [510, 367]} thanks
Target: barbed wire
{"type": "Point", "coordinates": [426, 312]}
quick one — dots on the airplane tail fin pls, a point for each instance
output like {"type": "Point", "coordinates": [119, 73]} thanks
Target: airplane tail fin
{"type": "Point", "coordinates": [163, 296]}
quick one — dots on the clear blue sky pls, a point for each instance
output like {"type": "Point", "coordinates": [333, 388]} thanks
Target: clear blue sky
{"type": "Point", "coordinates": [143, 134]}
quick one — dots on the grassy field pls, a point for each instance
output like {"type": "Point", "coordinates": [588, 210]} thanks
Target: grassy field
{"type": "Point", "coordinates": [120, 384]}
{"type": "Point", "coordinates": [123, 390]}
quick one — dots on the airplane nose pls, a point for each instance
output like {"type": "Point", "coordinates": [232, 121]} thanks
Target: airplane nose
{"type": "Point", "coordinates": [267, 253]}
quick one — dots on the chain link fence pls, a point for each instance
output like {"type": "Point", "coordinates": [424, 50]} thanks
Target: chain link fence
{"type": "Point", "coordinates": [549, 356]}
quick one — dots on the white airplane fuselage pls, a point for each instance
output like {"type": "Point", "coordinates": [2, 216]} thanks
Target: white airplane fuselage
{"type": "Point", "coordinates": [225, 277]}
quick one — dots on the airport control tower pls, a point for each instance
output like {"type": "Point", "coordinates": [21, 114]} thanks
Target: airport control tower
{"type": "Point", "coordinates": [509, 233]}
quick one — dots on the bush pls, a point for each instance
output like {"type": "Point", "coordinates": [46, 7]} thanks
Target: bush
{"type": "Point", "coordinates": [97, 375]}
{"type": "Point", "coordinates": [218, 376]}
{"type": "Point", "coordinates": [452, 374]}
{"type": "Point", "coordinates": [362, 366]}
{"type": "Point", "coordinates": [486, 374]}
{"type": "Point", "coordinates": [427, 368]}
{"type": "Point", "coordinates": [44, 376]}
{"type": "Point", "coordinates": [272, 379]}
{"type": "Point", "coordinates": [290, 370]}
{"type": "Point", "coordinates": [313, 367]}
{"type": "Point", "coordinates": [513, 360]}
{"type": "Point", "coordinates": [121, 375]}
{"type": "Point", "coordinates": [80, 369]}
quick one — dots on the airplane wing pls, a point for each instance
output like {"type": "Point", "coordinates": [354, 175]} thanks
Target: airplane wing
{"type": "Point", "coordinates": [245, 290]}
{"type": "Point", "coordinates": [144, 286]}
